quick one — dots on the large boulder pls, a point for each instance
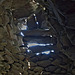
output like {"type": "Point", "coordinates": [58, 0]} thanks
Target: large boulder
{"type": "Point", "coordinates": [44, 63]}
{"type": "Point", "coordinates": [38, 69]}
{"type": "Point", "coordinates": [51, 68]}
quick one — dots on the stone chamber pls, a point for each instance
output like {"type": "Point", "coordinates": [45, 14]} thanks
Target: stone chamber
{"type": "Point", "coordinates": [37, 37]}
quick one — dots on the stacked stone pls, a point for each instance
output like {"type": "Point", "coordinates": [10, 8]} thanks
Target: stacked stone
{"type": "Point", "coordinates": [12, 59]}
{"type": "Point", "coordinates": [53, 64]}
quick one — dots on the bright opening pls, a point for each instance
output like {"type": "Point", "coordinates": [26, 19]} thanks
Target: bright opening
{"type": "Point", "coordinates": [52, 51]}
{"type": "Point", "coordinates": [22, 34]}
{"type": "Point", "coordinates": [37, 22]}
{"type": "Point", "coordinates": [37, 53]}
{"type": "Point", "coordinates": [51, 44]}
{"type": "Point", "coordinates": [32, 44]}
{"type": "Point", "coordinates": [28, 50]}
{"type": "Point", "coordinates": [46, 29]}
{"type": "Point", "coordinates": [24, 27]}
{"type": "Point", "coordinates": [23, 44]}
{"type": "Point", "coordinates": [36, 44]}
{"type": "Point", "coordinates": [46, 52]}
{"type": "Point", "coordinates": [51, 36]}
{"type": "Point", "coordinates": [34, 14]}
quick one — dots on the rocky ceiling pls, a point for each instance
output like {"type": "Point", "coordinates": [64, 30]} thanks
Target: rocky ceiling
{"type": "Point", "coordinates": [19, 8]}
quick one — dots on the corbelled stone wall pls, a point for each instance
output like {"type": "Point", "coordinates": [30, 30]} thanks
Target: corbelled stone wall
{"type": "Point", "coordinates": [53, 64]}
{"type": "Point", "coordinates": [13, 60]}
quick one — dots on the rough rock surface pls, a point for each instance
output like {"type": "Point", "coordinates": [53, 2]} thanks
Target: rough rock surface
{"type": "Point", "coordinates": [13, 59]}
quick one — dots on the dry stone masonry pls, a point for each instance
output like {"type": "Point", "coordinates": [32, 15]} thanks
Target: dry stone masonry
{"type": "Point", "coordinates": [13, 59]}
